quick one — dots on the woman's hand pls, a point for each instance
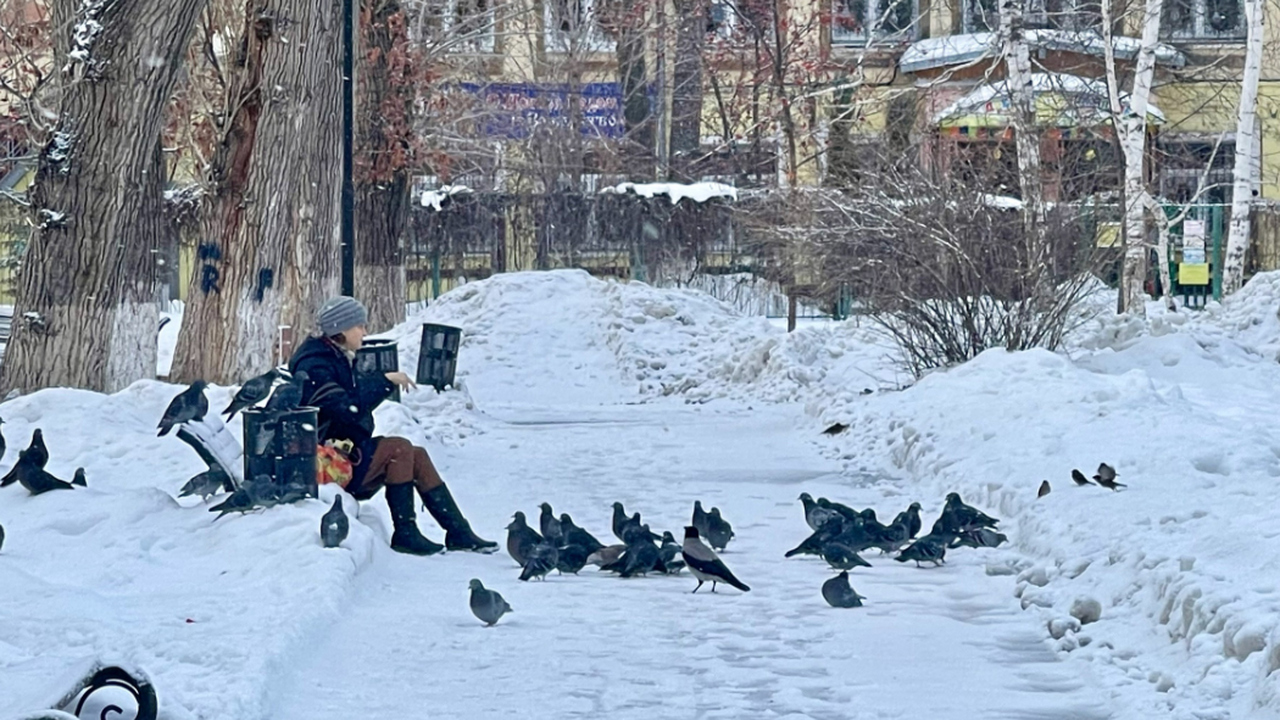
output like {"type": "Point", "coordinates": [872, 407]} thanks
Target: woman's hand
{"type": "Point", "coordinates": [401, 381]}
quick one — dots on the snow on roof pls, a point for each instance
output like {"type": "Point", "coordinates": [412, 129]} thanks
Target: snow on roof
{"type": "Point", "coordinates": [435, 199]}
{"type": "Point", "coordinates": [697, 192]}
{"type": "Point", "coordinates": [992, 99]}
{"type": "Point", "coordinates": [958, 49]}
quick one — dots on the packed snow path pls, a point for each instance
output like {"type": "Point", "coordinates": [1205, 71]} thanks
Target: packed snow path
{"type": "Point", "coordinates": [945, 642]}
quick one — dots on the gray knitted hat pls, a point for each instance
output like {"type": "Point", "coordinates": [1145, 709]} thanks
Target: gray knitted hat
{"type": "Point", "coordinates": [339, 314]}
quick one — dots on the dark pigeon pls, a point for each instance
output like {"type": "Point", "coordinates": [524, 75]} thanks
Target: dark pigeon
{"type": "Point", "coordinates": [641, 557]}
{"type": "Point", "coordinates": [668, 554]}
{"type": "Point", "coordinates": [839, 594]}
{"type": "Point", "coordinates": [846, 512]}
{"type": "Point", "coordinates": [36, 455]}
{"type": "Point", "coordinates": [842, 557]}
{"type": "Point", "coordinates": [77, 478]}
{"type": "Point", "coordinates": [1106, 477]}
{"type": "Point", "coordinates": [287, 396]}
{"type": "Point", "coordinates": [719, 531]}
{"type": "Point", "coordinates": [965, 516]}
{"type": "Point", "coordinates": [1044, 489]}
{"type": "Point", "coordinates": [812, 545]}
{"type": "Point", "coordinates": [704, 564]}
{"type": "Point", "coordinates": [700, 518]}
{"type": "Point", "coordinates": [255, 494]}
{"type": "Point", "coordinates": [542, 559]}
{"type": "Point", "coordinates": [571, 558]}
{"type": "Point", "coordinates": [521, 539]}
{"type": "Point", "coordinates": [3, 445]}
{"type": "Point", "coordinates": [979, 538]}
{"type": "Point", "coordinates": [487, 605]}
{"type": "Point", "coordinates": [36, 480]}
{"type": "Point", "coordinates": [334, 525]}
{"type": "Point", "coordinates": [574, 535]}
{"type": "Point", "coordinates": [1079, 478]}
{"type": "Point", "coordinates": [620, 520]}
{"type": "Point", "coordinates": [835, 429]}
{"type": "Point", "coordinates": [252, 392]}
{"type": "Point", "coordinates": [633, 525]}
{"type": "Point", "coordinates": [206, 484]}
{"type": "Point", "coordinates": [911, 518]}
{"type": "Point", "coordinates": [1, 537]}
{"type": "Point", "coordinates": [190, 404]}
{"type": "Point", "coordinates": [549, 525]}
{"type": "Point", "coordinates": [926, 549]}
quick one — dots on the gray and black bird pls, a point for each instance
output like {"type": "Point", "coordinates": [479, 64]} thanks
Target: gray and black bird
{"type": "Point", "coordinates": [521, 539]}
{"type": "Point", "coordinates": [926, 549]}
{"type": "Point", "coordinates": [606, 556]}
{"type": "Point", "coordinates": [979, 538]}
{"type": "Point", "coordinates": [911, 519]}
{"type": "Point", "coordinates": [668, 553]}
{"type": "Point", "coordinates": [77, 478]}
{"type": "Point", "coordinates": [640, 557]}
{"type": "Point", "coordinates": [1079, 478]}
{"type": "Point", "coordinates": [487, 605]}
{"type": "Point", "coordinates": [839, 594]}
{"type": "Point", "coordinates": [36, 455]}
{"type": "Point", "coordinates": [966, 516]}
{"type": "Point", "coordinates": [619, 521]}
{"type": "Point", "coordinates": [255, 494]}
{"type": "Point", "coordinates": [814, 514]}
{"type": "Point", "coordinates": [1, 537]}
{"type": "Point", "coordinates": [705, 565]}
{"type": "Point", "coordinates": [571, 558]}
{"type": "Point", "coordinates": [700, 518]}
{"type": "Point", "coordinates": [287, 396]}
{"type": "Point", "coordinates": [334, 525]}
{"type": "Point", "coordinates": [206, 484]}
{"type": "Point", "coordinates": [549, 525]}
{"type": "Point", "coordinates": [36, 480]}
{"type": "Point", "coordinates": [190, 404]}
{"type": "Point", "coordinates": [540, 560]}
{"type": "Point", "coordinates": [574, 535]}
{"type": "Point", "coordinates": [719, 531]}
{"type": "Point", "coordinates": [634, 525]}
{"type": "Point", "coordinates": [252, 392]}
{"type": "Point", "coordinates": [1106, 477]}
{"type": "Point", "coordinates": [812, 545]}
{"type": "Point", "coordinates": [1044, 489]}
{"type": "Point", "coordinates": [842, 557]}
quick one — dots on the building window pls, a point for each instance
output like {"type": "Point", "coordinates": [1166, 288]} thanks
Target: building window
{"type": "Point", "coordinates": [854, 22]}
{"type": "Point", "coordinates": [984, 15]}
{"type": "Point", "coordinates": [1204, 19]}
{"type": "Point", "coordinates": [575, 25]}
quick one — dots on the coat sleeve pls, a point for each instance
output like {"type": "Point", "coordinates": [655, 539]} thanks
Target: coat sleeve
{"type": "Point", "coordinates": [339, 410]}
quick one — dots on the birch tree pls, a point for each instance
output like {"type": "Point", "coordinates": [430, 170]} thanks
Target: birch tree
{"type": "Point", "coordinates": [86, 312]}
{"type": "Point", "coordinates": [1246, 151]}
{"type": "Point", "coordinates": [1017, 60]}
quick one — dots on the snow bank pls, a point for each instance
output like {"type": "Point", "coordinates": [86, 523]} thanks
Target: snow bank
{"type": "Point", "coordinates": [699, 192]}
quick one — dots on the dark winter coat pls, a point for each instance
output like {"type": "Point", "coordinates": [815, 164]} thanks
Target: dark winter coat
{"type": "Point", "coordinates": [346, 407]}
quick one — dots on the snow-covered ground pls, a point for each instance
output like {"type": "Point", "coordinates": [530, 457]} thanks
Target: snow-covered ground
{"type": "Point", "coordinates": [581, 392]}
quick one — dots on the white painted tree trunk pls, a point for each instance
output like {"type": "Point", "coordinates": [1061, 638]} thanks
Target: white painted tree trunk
{"type": "Point", "coordinates": [1246, 152]}
{"type": "Point", "coordinates": [1133, 140]}
{"type": "Point", "coordinates": [1017, 59]}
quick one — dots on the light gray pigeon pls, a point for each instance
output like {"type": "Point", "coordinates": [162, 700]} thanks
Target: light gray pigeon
{"type": "Point", "coordinates": [334, 525]}
{"type": "Point", "coordinates": [839, 594]}
{"type": "Point", "coordinates": [704, 564]}
{"type": "Point", "coordinates": [206, 484]}
{"type": "Point", "coordinates": [487, 605]}
{"type": "Point", "coordinates": [814, 514]}
{"type": "Point", "coordinates": [606, 555]}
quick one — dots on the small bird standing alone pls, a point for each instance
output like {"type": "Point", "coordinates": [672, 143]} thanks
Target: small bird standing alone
{"type": "Point", "coordinates": [1044, 489]}
{"type": "Point", "coordinates": [839, 594]}
{"type": "Point", "coordinates": [190, 404]}
{"type": "Point", "coordinates": [1079, 478]}
{"type": "Point", "coordinates": [252, 392]}
{"type": "Point", "coordinates": [1106, 477]}
{"type": "Point", "coordinates": [705, 565]}
{"type": "Point", "coordinates": [487, 605]}
{"type": "Point", "coordinates": [334, 525]}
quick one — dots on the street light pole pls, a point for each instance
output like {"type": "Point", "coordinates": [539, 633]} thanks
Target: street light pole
{"type": "Point", "coordinates": [348, 148]}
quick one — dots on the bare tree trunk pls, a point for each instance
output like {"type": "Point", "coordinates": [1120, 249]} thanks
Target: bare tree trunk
{"type": "Point", "coordinates": [1133, 140]}
{"type": "Point", "coordinates": [686, 93]}
{"type": "Point", "coordinates": [86, 313]}
{"type": "Point", "coordinates": [632, 76]}
{"type": "Point", "coordinates": [271, 228]}
{"type": "Point", "coordinates": [1018, 79]}
{"type": "Point", "coordinates": [1246, 152]}
{"type": "Point", "coordinates": [384, 128]}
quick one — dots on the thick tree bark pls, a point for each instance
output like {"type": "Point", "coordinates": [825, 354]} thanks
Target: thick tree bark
{"type": "Point", "coordinates": [1246, 152]}
{"type": "Point", "coordinates": [271, 227]}
{"type": "Point", "coordinates": [384, 128]}
{"type": "Point", "coordinates": [686, 91]}
{"type": "Point", "coordinates": [86, 313]}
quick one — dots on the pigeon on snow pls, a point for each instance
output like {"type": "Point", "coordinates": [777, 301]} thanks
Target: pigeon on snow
{"type": "Point", "coordinates": [334, 525]}
{"type": "Point", "coordinates": [1079, 478]}
{"type": "Point", "coordinates": [36, 455]}
{"type": "Point", "coordinates": [1044, 489]}
{"type": "Point", "coordinates": [910, 518]}
{"type": "Point", "coordinates": [206, 484]}
{"type": "Point", "coordinates": [542, 559]}
{"type": "Point", "coordinates": [35, 479]}
{"type": "Point", "coordinates": [620, 520]}
{"type": "Point", "coordinates": [521, 539]}
{"type": "Point", "coordinates": [487, 605]}
{"type": "Point", "coordinates": [571, 558]}
{"type": "Point", "coordinates": [926, 549]}
{"type": "Point", "coordinates": [815, 515]}
{"type": "Point", "coordinates": [719, 531]}
{"type": "Point", "coordinates": [705, 565]}
{"type": "Point", "coordinates": [190, 404]}
{"type": "Point", "coordinates": [842, 557]}
{"type": "Point", "coordinates": [700, 518]}
{"type": "Point", "coordinates": [574, 535]}
{"type": "Point", "coordinates": [549, 525]}
{"type": "Point", "coordinates": [839, 594]}
{"type": "Point", "coordinates": [1106, 477]}
{"type": "Point", "coordinates": [252, 392]}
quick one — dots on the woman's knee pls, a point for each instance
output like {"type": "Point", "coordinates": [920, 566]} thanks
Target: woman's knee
{"type": "Point", "coordinates": [397, 448]}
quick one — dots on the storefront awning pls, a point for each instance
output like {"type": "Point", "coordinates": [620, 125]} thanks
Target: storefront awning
{"type": "Point", "coordinates": [1061, 101]}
